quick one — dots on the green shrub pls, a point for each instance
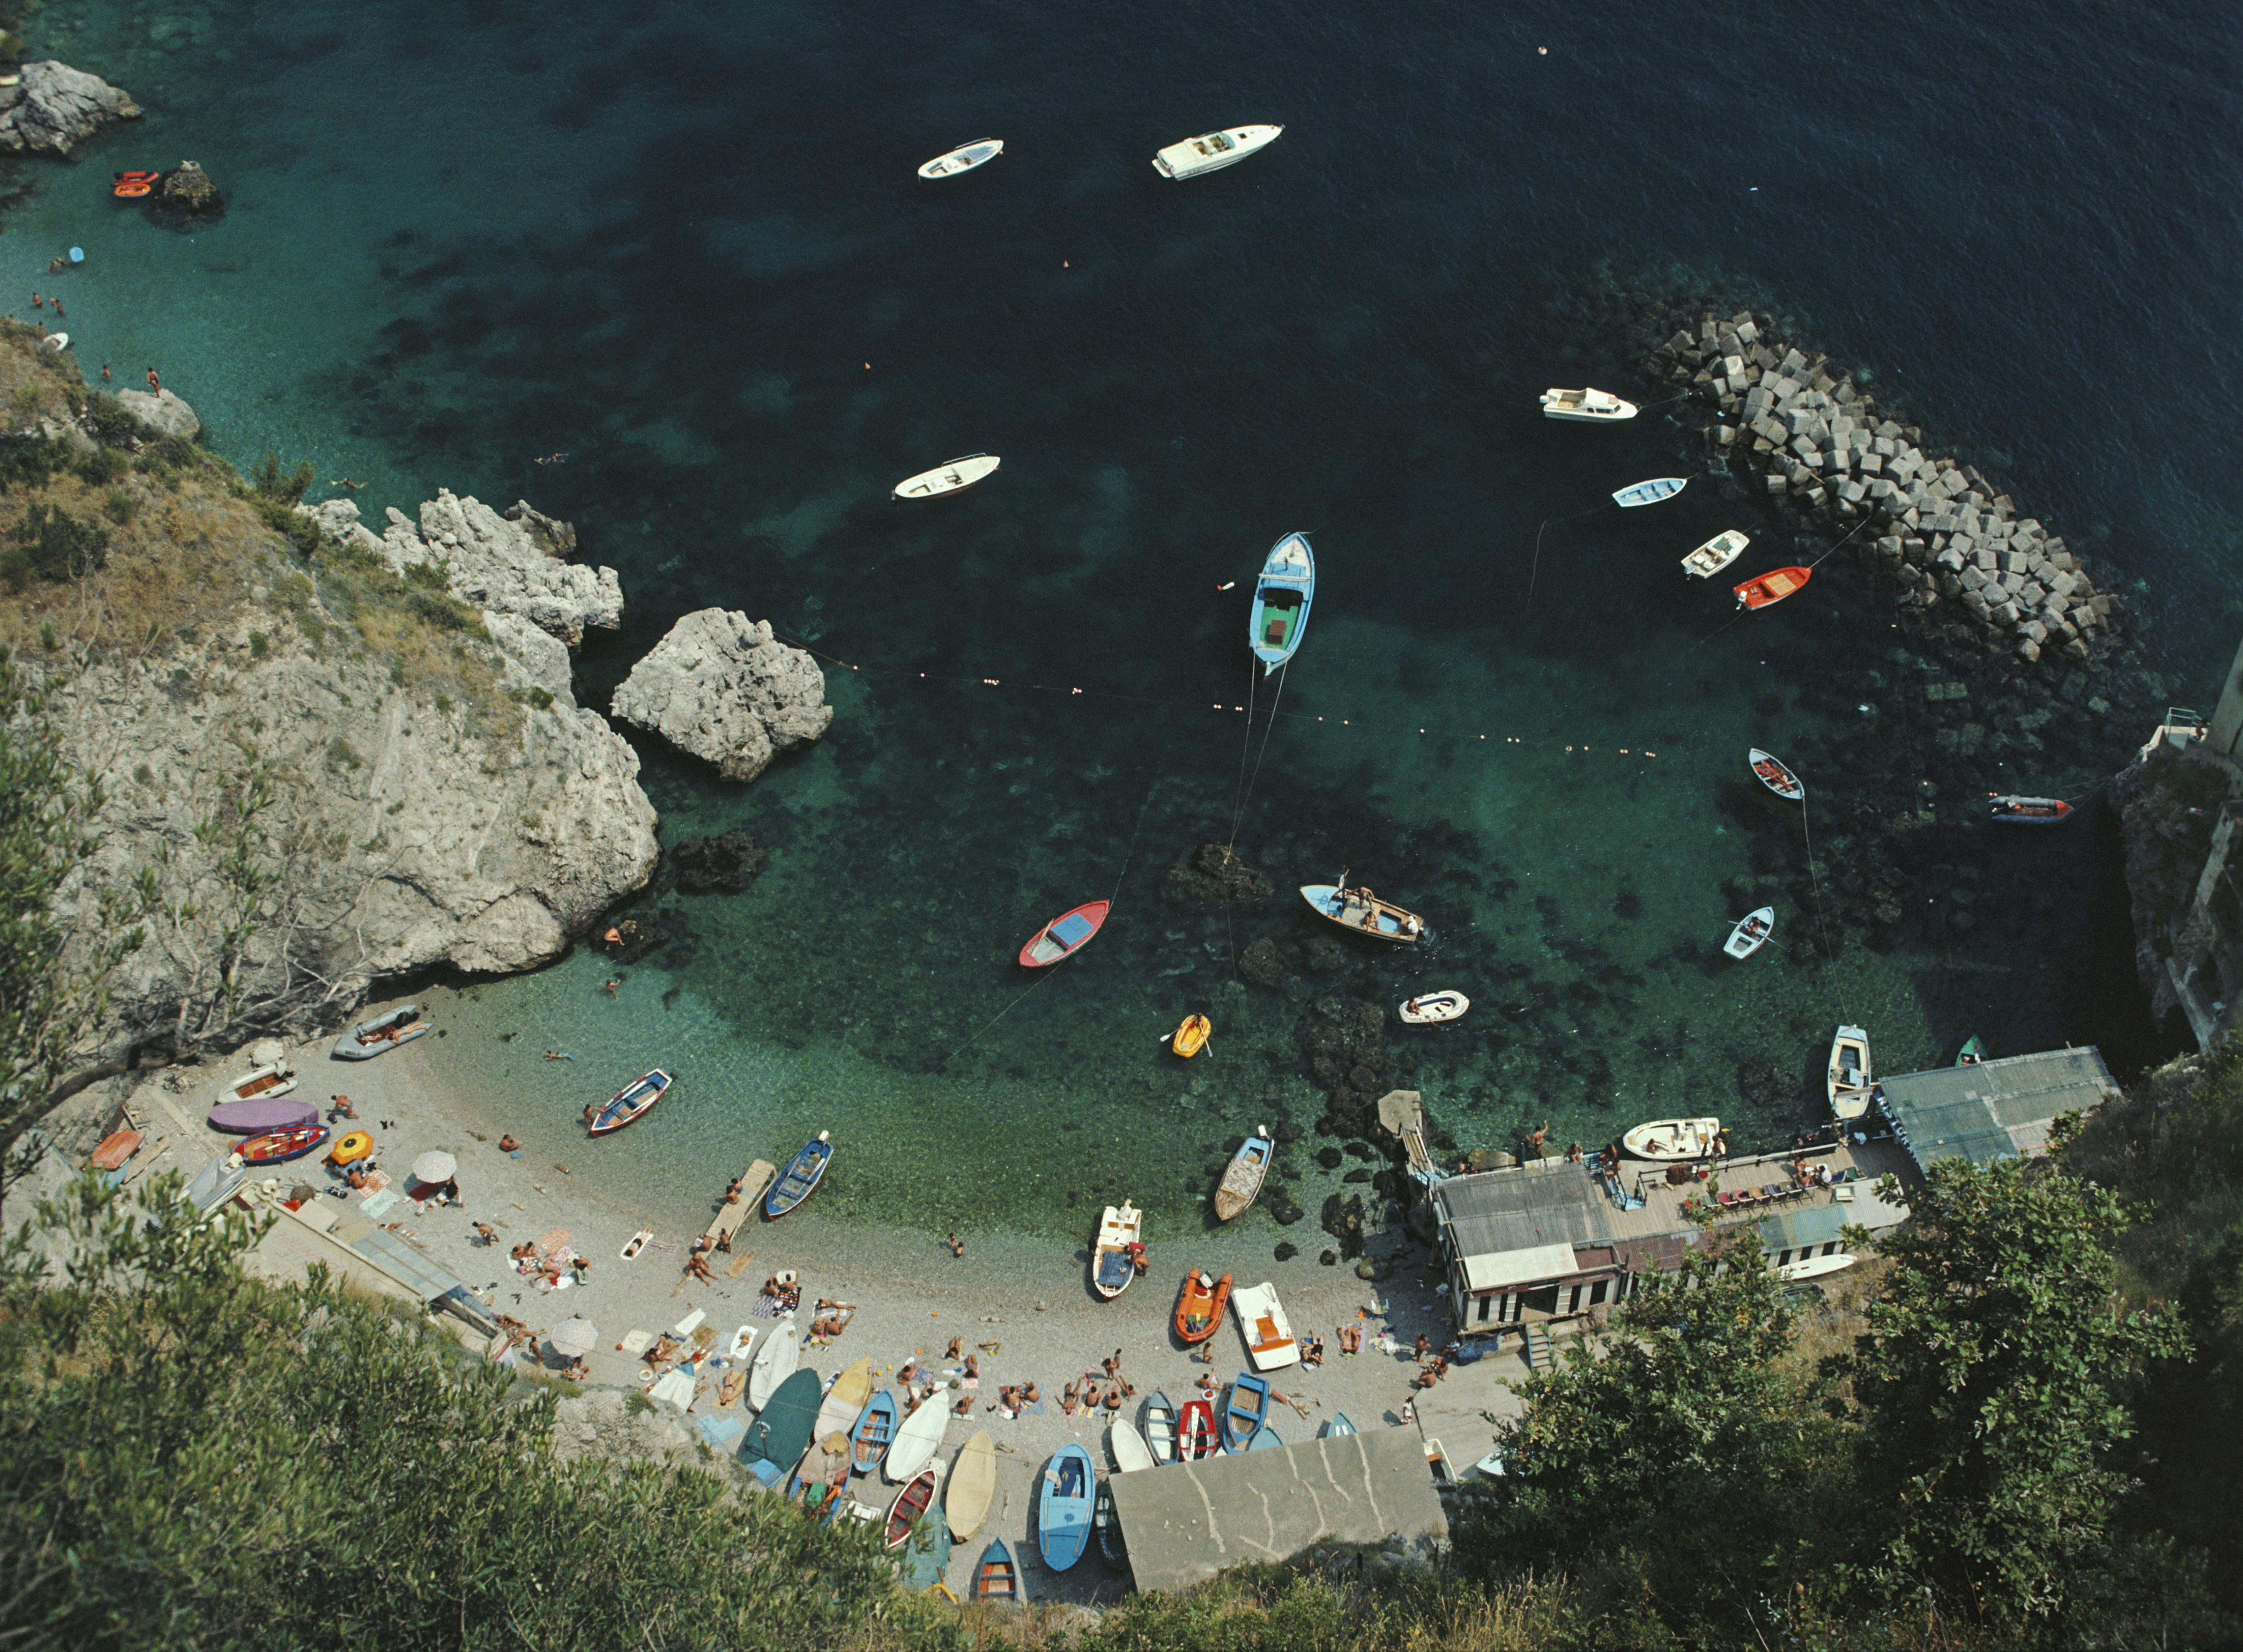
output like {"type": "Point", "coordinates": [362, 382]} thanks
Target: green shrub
{"type": "Point", "coordinates": [102, 466]}
{"type": "Point", "coordinates": [114, 425]}
{"type": "Point", "coordinates": [341, 755]}
{"type": "Point", "coordinates": [48, 639]}
{"type": "Point", "coordinates": [258, 645]}
{"type": "Point", "coordinates": [266, 481]}
{"type": "Point", "coordinates": [28, 461]}
{"type": "Point", "coordinates": [121, 505]}
{"type": "Point", "coordinates": [429, 576]}
{"type": "Point", "coordinates": [51, 545]}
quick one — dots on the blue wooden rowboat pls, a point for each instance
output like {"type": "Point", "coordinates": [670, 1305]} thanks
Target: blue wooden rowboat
{"type": "Point", "coordinates": [1650, 493]}
{"type": "Point", "coordinates": [800, 1177]}
{"type": "Point", "coordinates": [996, 1578]}
{"type": "Point", "coordinates": [1245, 1411]}
{"type": "Point", "coordinates": [1063, 1512]}
{"type": "Point", "coordinates": [1265, 1439]}
{"type": "Point", "coordinates": [1335, 1426]}
{"type": "Point", "coordinates": [1365, 913]}
{"type": "Point", "coordinates": [632, 1101]}
{"type": "Point", "coordinates": [1281, 595]}
{"type": "Point", "coordinates": [876, 1426]}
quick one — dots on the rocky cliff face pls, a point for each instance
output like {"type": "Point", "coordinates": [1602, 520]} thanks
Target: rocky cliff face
{"type": "Point", "coordinates": [722, 687]}
{"type": "Point", "coordinates": [52, 106]}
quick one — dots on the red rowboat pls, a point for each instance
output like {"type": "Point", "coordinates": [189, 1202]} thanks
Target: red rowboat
{"type": "Point", "coordinates": [911, 1503]}
{"type": "Point", "coordinates": [280, 1145]}
{"type": "Point", "coordinates": [1065, 935]}
{"type": "Point", "coordinates": [1199, 1309]}
{"type": "Point", "coordinates": [1772, 587]}
{"type": "Point", "coordinates": [2030, 812]}
{"type": "Point", "coordinates": [1195, 1432]}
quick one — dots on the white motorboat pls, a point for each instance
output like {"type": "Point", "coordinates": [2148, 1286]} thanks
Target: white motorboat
{"type": "Point", "coordinates": [1751, 933]}
{"type": "Point", "coordinates": [964, 158]}
{"type": "Point", "coordinates": [916, 1442]}
{"type": "Point", "coordinates": [1269, 1334]}
{"type": "Point", "coordinates": [782, 1352]}
{"type": "Point", "coordinates": [1715, 555]}
{"type": "Point", "coordinates": [1679, 1139]}
{"type": "Point", "coordinates": [948, 479]}
{"type": "Point", "coordinates": [1114, 1260]}
{"type": "Point", "coordinates": [274, 1079]}
{"type": "Point", "coordinates": [1849, 1074]}
{"type": "Point", "coordinates": [1428, 1007]}
{"type": "Point", "coordinates": [1814, 1268]}
{"type": "Point", "coordinates": [1212, 151]}
{"type": "Point", "coordinates": [1586, 406]}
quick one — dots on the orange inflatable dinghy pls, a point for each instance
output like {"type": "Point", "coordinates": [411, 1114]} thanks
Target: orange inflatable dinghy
{"type": "Point", "coordinates": [1191, 1037]}
{"type": "Point", "coordinates": [133, 184]}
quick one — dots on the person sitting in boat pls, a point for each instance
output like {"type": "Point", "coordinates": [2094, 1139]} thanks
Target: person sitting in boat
{"type": "Point", "coordinates": [1413, 925]}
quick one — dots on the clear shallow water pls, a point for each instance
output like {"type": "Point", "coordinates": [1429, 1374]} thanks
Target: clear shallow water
{"type": "Point", "coordinates": [669, 246]}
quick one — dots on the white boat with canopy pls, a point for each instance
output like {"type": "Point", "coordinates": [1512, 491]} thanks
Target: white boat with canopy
{"type": "Point", "coordinates": [1586, 406]}
{"type": "Point", "coordinates": [1715, 555]}
{"type": "Point", "coordinates": [964, 158]}
{"type": "Point", "coordinates": [1675, 1139]}
{"type": "Point", "coordinates": [948, 479]}
{"type": "Point", "coordinates": [1212, 151]}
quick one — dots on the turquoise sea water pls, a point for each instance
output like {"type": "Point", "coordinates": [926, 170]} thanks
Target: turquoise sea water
{"type": "Point", "coordinates": [685, 248]}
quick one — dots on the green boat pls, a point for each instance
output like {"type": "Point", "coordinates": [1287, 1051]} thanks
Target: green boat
{"type": "Point", "coordinates": [1972, 1053]}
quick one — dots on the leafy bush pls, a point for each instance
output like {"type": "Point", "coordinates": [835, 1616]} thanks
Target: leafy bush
{"type": "Point", "coordinates": [51, 545]}
{"type": "Point", "coordinates": [121, 505]}
{"type": "Point", "coordinates": [114, 425]}
{"type": "Point", "coordinates": [266, 481]}
{"type": "Point", "coordinates": [102, 466]}
{"type": "Point", "coordinates": [429, 576]}
{"type": "Point", "coordinates": [25, 461]}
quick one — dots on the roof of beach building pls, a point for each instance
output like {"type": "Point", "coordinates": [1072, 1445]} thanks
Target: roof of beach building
{"type": "Point", "coordinates": [1994, 1109]}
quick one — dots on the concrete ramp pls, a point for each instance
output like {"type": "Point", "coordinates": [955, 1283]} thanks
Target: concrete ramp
{"type": "Point", "coordinates": [1186, 1521]}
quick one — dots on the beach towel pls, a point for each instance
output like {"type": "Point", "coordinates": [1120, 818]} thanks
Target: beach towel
{"type": "Point", "coordinates": [675, 1387]}
{"type": "Point", "coordinates": [557, 1241]}
{"type": "Point", "coordinates": [379, 1201]}
{"type": "Point", "coordinates": [636, 1342]}
{"type": "Point", "coordinates": [690, 1323]}
{"type": "Point", "coordinates": [720, 1432]}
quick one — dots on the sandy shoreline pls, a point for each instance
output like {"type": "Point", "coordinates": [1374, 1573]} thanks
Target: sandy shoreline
{"type": "Point", "coordinates": [1027, 1295]}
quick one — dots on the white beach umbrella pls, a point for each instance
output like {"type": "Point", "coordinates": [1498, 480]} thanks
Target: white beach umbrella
{"type": "Point", "coordinates": [435, 1166]}
{"type": "Point", "coordinates": [575, 1338]}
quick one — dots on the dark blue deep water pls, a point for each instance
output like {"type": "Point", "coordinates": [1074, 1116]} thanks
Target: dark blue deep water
{"type": "Point", "coordinates": [683, 244]}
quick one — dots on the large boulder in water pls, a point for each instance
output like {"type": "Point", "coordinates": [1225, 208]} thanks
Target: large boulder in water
{"type": "Point", "coordinates": [190, 190]}
{"type": "Point", "coordinates": [161, 411]}
{"type": "Point", "coordinates": [723, 687]}
{"type": "Point", "coordinates": [52, 106]}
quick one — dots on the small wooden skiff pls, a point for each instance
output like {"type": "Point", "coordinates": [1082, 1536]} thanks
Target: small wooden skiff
{"type": "Point", "coordinates": [2029, 811]}
{"type": "Point", "coordinates": [1114, 1260]}
{"type": "Point", "coordinates": [1196, 1436]}
{"type": "Point", "coordinates": [964, 158]}
{"type": "Point", "coordinates": [1191, 1037]}
{"type": "Point", "coordinates": [278, 1146]}
{"type": "Point", "coordinates": [1751, 933]}
{"type": "Point", "coordinates": [1715, 555]}
{"type": "Point", "coordinates": [973, 1483]}
{"type": "Point", "coordinates": [259, 1083]}
{"type": "Point", "coordinates": [1972, 1053]}
{"type": "Point", "coordinates": [1064, 1508]}
{"type": "Point", "coordinates": [634, 1101]}
{"type": "Point", "coordinates": [911, 1502]}
{"type": "Point", "coordinates": [1242, 1180]}
{"type": "Point", "coordinates": [1282, 593]}
{"type": "Point", "coordinates": [1680, 1140]}
{"type": "Point", "coordinates": [845, 1400]}
{"type": "Point", "coordinates": [996, 1578]}
{"type": "Point", "coordinates": [1130, 1452]}
{"type": "Point", "coordinates": [1108, 1526]}
{"type": "Point", "coordinates": [800, 1178]}
{"type": "Point", "coordinates": [1430, 1007]}
{"type": "Point", "coordinates": [1265, 1439]}
{"type": "Point", "coordinates": [384, 1033]}
{"type": "Point", "coordinates": [1586, 406]}
{"type": "Point", "coordinates": [1336, 1426]}
{"type": "Point", "coordinates": [1776, 775]}
{"type": "Point", "coordinates": [1771, 587]}
{"type": "Point", "coordinates": [115, 1150]}
{"type": "Point", "coordinates": [782, 1351]}
{"type": "Point", "coordinates": [1246, 1410]}
{"type": "Point", "coordinates": [1360, 910]}
{"type": "Point", "coordinates": [1650, 493]}
{"type": "Point", "coordinates": [1849, 1080]}
{"type": "Point", "coordinates": [1212, 151]}
{"type": "Point", "coordinates": [1269, 1334]}
{"type": "Point", "coordinates": [916, 1440]}
{"type": "Point", "coordinates": [1200, 1305]}
{"type": "Point", "coordinates": [876, 1426]}
{"type": "Point", "coordinates": [1064, 936]}
{"type": "Point", "coordinates": [948, 479]}
{"type": "Point", "coordinates": [1156, 1421]}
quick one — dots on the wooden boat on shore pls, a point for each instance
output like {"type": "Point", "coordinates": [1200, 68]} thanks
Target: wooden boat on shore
{"type": "Point", "coordinates": [1064, 936]}
{"type": "Point", "coordinates": [1191, 1037]}
{"type": "Point", "coordinates": [825, 1464]}
{"type": "Point", "coordinates": [1849, 1074]}
{"type": "Point", "coordinates": [1751, 933]}
{"type": "Point", "coordinates": [1973, 1053]}
{"type": "Point", "coordinates": [378, 1037]}
{"type": "Point", "coordinates": [800, 1178]}
{"type": "Point", "coordinates": [1156, 1421]}
{"type": "Point", "coordinates": [780, 1432]}
{"type": "Point", "coordinates": [996, 1578]}
{"type": "Point", "coordinates": [1108, 1526]}
{"type": "Point", "coordinates": [1650, 493]}
{"type": "Point", "coordinates": [875, 1426]}
{"type": "Point", "coordinates": [916, 1440]}
{"type": "Point", "coordinates": [1363, 912]}
{"type": "Point", "coordinates": [266, 1112]}
{"type": "Point", "coordinates": [1269, 1334]}
{"type": "Point", "coordinates": [910, 1505]}
{"type": "Point", "coordinates": [948, 479]}
{"type": "Point", "coordinates": [260, 1084]}
{"type": "Point", "coordinates": [278, 1146]}
{"type": "Point", "coordinates": [1283, 593]}
{"type": "Point", "coordinates": [1196, 1435]}
{"type": "Point", "coordinates": [1200, 1305]}
{"type": "Point", "coordinates": [1675, 1140]}
{"type": "Point", "coordinates": [1265, 1439]}
{"type": "Point", "coordinates": [1815, 1267]}
{"type": "Point", "coordinates": [2029, 811]}
{"type": "Point", "coordinates": [1241, 1179]}
{"type": "Point", "coordinates": [973, 1483]}
{"type": "Point", "coordinates": [1774, 773]}
{"type": "Point", "coordinates": [1063, 1510]}
{"type": "Point", "coordinates": [964, 158]}
{"type": "Point", "coordinates": [634, 1101]}
{"type": "Point", "coordinates": [1245, 1411]}
{"type": "Point", "coordinates": [1429, 1009]}
{"type": "Point", "coordinates": [1715, 554]}
{"type": "Point", "coordinates": [782, 1352]}
{"type": "Point", "coordinates": [1773, 586]}
{"type": "Point", "coordinates": [1114, 1260]}
{"type": "Point", "coordinates": [1130, 1452]}
{"type": "Point", "coordinates": [1335, 1427]}
{"type": "Point", "coordinates": [845, 1400]}
{"type": "Point", "coordinates": [1586, 406]}
{"type": "Point", "coordinates": [1212, 151]}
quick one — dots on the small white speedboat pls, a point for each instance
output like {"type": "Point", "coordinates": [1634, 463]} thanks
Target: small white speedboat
{"type": "Point", "coordinates": [1269, 1334]}
{"type": "Point", "coordinates": [948, 479]}
{"type": "Point", "coordinates": [1814, 1268]}
{"type": "Point", "coordinates": [1751, 933]}
{"type": "Point", "coordinates": [1428, 1007]}
{"type": "Point", "coordinates": [1715, 555]}
{"type": "Point", "coordinates": [964, 158]}
{"type": "Point", "coordinates": [1675, 1139]}
{"type": "Point", "coordinates": [1849, 1074]}
{"type": "Point", "coordinates": [1586, 406]}
{"type": "Point", "coordinates": [1212, 151]}
{"type": "Point", "coordinates": [56, 341]}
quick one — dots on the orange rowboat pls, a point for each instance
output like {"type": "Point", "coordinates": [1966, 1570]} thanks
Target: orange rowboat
{"type": "Point", "coordinates": [1191, 1037]}
{"type": "Point", "coordinates": [1773, 586]}
{"type": "Point", "coordinates": [1199, 1309]}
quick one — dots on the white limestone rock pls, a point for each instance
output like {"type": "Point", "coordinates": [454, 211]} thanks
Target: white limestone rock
{"type": "Point", "coordinates": [161, 411]}
{"type": "Point", "coordinates": [510, 564]}
{"type": "Point", "coordinates": [53, 106]}
{"type": "Point", "coordinates": [720, 686]}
